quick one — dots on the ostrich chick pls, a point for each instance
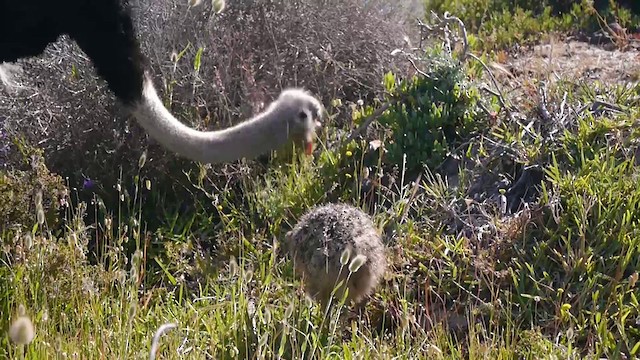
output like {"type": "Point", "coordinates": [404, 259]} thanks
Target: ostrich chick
{"type": "Point", "coordinates": [328, 234]}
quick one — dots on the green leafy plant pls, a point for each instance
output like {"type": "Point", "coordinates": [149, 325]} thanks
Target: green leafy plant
{"type": "Point", "coordinates": [499, 24]}
{"type": "Point", "coordinates": [438, 109]}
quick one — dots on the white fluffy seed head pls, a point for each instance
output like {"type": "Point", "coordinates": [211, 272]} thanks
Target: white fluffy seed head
{"type": "Point", "coordinates": [40, 215]}
{"type": "Point", "coordinates": [38, 198]}
{"type": "Point", "coordinates": [289, 311]}
{"type": "Point", "coordinates": [357, 263]}
{"type": "Point", "coordinates": [28, 240]}
{"type": "Point", "coordinates": [218, 5]}
{"type": "Point", "coordinates": [22, 331]}
{"type": "Point", "coordinates": [248, 276]}
{"type": "Point", "coordinates": [142, 160]}
{"type": "Point", "coordinates": [346, 255]}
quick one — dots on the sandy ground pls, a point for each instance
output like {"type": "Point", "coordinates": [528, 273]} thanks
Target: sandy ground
{"type": "Point", "coordinates": [577, 60]}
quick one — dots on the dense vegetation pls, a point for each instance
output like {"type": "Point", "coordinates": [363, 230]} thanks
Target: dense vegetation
{"type": "Point", "coordinates": [508, 199]}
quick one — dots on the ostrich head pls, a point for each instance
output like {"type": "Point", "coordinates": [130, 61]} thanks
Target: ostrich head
{"type": "Point", "coordinates": [303, 114]}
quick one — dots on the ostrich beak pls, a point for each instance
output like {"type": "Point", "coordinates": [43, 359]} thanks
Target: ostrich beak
{"type": "Point", "coordinates": [308, 142]}
{"type": "Point", "coordinates": [308, 147]}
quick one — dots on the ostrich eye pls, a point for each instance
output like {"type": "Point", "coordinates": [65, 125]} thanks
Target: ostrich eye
{"type": "Point", "coordinates": [302, 115]}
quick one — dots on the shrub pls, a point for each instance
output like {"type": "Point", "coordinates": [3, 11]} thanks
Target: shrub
{"type": "Point", "coordinates": [500, 23]}
{"type": "Point", "coordinates": [30, 189]}
{"type": "Point", "coordinates": [438, 109]}
{"type": "Point", "coordinates": [579, 270]}
{"type": "Point", "coordinates": [212, 70]}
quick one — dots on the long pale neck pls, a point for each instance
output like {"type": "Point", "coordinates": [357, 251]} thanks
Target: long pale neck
{"type": "Point", "coordinates": [259, 135]}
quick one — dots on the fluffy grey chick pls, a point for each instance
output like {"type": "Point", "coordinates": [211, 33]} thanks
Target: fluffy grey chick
{"type": "Point", "coordinates": [317, 243]}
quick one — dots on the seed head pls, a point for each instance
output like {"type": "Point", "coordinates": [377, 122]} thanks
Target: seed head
{"type": "Point", "coordinates": [266, 315]}
{"type": "Point", "coordinates": [346, 255]}
{"type": "Point", "coordinates": [40, 215]}
{"type": "Point", "coordinates": [108, 222]}
{"type": "Point", "coordinates": [38, 199]}
{"type": "Point", "coordinates": [142, 160]}
{"type": "Point", "coordinates": [248, 276]}
{"type": "Point", "coordinates": [218, 5]}
{"type": "Point", "coordinates": [633, 279]}
{"type": "Point", "coordinates": [28, 240]}
{"type": "Point", "coordinates": [288, 311]}
{"type": "Point", "coordinates": [263, 340]}
{"type": "Point", "coordinates": [357, 263]}
{"type": "Point", "coordinates": [22, 331]}
{"type": "Point", "coordinates": [132, 310]}
{"type": "Point", "coordinates": [233, 267]}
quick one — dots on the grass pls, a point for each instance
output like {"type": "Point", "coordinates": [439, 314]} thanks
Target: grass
{"type": "Point", "coordinates": [498, 24]}
{"type": "Point", "coordinates": [248, 308]}
{"type": "Point", "coordinates": [557, 278]}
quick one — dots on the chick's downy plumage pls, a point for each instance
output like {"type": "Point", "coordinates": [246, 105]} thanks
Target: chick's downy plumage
{"type": "Point", "coordinates": [319, 241]}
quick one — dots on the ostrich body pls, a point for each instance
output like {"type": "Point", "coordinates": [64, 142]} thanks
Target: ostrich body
{"type": "Point", "coordinates": [319, 240]}
{"type": "Point", "coordinates": [104, 31]}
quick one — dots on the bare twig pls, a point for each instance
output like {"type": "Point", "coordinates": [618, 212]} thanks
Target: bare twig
{"type": "Point", "coordinates": [465, 41]}
{"type": "Point", "coordinates": [563, 105]}
{"type": "Point", "coordinates": [542, 107]}
{"type": "Point", "coordinates": [599, 105]}
{"type": "Point", "coordinates": [498, 92]}
{"type": "Point", "coordinates": [441, 25]}
{"type": "Point", "coordinates": [365, 124]}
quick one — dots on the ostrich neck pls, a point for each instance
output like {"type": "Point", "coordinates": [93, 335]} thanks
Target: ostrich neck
{"type": "Point", "coordinates": [248, 139]}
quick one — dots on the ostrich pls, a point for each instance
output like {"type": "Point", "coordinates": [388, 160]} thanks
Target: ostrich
{"type": "Point", "coordinates": [104, 31]}
{"type": "Point", "coordinates": [321, 242]}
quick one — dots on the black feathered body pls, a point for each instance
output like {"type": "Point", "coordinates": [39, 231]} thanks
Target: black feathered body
{"type": "Point", "coordinates": [102, 28]}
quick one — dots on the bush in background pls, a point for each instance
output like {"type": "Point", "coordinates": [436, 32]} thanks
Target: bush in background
{"type": "Point", "coordinates": [213, 70]}
{"type": "Point", "coordinates": [30, 193]}
{"type": "Point", "coordinates": [499, 24]}
{"type": "Point", "coordinates": [438, 110]}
